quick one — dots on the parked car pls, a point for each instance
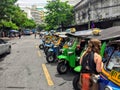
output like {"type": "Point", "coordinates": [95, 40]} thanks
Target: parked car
{"type": "Point", "coordinates": [5, 47]}
{"type": "Point", "coordinates": [27, 32]}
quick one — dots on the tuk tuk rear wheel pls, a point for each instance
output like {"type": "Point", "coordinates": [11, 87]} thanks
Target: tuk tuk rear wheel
{"type": "Point", "coordinates": [78, 85]}
{"type": "Point", "coordinates": [50, 58]}
{"type": "Point", "coordinates": [62, 67]}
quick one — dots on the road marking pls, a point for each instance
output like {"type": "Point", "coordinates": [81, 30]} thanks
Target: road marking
{"type": "Point", "coordinates": [36, 46]}
{"type": "Point", "coordinates": [49, 80]}
{"type": "Point", "coordinates": [39, 54]}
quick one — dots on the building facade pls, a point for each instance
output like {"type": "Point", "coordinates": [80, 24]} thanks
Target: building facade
{"type": "Point", "coordinates": [97, 12]}
{"type": "Point", "coordinates": [33, 11]}
{"type": "Point", "coordinates": [71, 2]}
{"type": "Point", "coordinates": [27, 10]}
{"type": "Point", "coordinates": [38, 15]}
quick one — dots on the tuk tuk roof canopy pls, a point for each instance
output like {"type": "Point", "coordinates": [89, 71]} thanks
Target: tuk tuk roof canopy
{"type": "Point", "coordinates": [109, 33]}
{"type": "Point", "coordinates": [81, 33]}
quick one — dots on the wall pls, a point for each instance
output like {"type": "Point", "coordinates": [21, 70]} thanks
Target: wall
{"type": "Point", "coordinates": [99, 10]}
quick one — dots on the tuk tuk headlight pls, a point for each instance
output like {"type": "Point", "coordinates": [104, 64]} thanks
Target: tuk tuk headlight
{"type": "Point", "coordinates": [55, 46]}
{"type": "Point", "coordinates": [108, 88]}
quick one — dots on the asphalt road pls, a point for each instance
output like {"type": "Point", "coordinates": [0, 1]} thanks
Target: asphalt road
{"type": "Point", "coordinates": [27, 69]}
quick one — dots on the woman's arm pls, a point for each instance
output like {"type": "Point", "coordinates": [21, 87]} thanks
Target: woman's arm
{"type": "Point", "coordinates": [98, 61]}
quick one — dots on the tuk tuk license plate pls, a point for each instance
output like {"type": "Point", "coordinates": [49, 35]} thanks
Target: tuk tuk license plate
{"type": "Point", "coordinates": [115, 77]}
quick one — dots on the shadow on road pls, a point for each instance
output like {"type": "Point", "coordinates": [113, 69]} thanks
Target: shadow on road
{"type": "Point", "coordinates": [2, 57]}
{"type": "Point", "coordinates": [68, 76]}
{"type": "Point", "coordinates": [52, 64]}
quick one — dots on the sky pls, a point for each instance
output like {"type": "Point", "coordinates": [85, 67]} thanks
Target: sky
{"type": "Point", "coordinates": [41, 3]}
{"type": "Point", "coordinates": [24, 3]}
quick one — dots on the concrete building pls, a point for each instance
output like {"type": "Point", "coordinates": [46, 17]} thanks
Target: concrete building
{"type": "Point", "coordinates": [101, 13]}
{"type": "Point", "coordinates": [33, 10]}
{"type": "Point", "coordinates": [37, 14]}
{"type": "Point", "coordinates": [71, 2]}
{"type": "Point", "coordinates": [27, 10]}
{"type": "Point", "coordinates": [42, 13]}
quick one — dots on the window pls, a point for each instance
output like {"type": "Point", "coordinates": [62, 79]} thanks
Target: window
{"type": "Point", "coordinates": [114, 62]}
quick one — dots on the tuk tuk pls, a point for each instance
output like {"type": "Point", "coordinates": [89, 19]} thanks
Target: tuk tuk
{"type": "Point", "coordinates": [54, 51]}
{"type": "Point", "coordinates": [70, 58]}
{"type": "Point", "coordinates": [109, 79]}
{"type": "Point", "coordinates": [45, 40]}
{"type": "Point", "coordinates": [52, 40]}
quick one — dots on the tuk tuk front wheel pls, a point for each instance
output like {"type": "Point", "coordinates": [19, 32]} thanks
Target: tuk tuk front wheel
{"type": "Point", "coordinates": [62, 67]}
{"type": "Point", "coordinates": [50, 58]}
{"type": "Point", "coordinates": [41, 46]}
{"type": "Point", "coordinates": [76, 84]}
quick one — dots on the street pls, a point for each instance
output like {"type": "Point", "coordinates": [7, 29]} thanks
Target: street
{"type": "Point", "coordinates": [26, 68]}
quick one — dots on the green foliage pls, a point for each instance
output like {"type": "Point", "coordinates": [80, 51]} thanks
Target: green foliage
{"type": "Point", "coordinates": [29, 24]}
{"type": "Point", "coordinates": [41, 27]}
{"type": "Point", "coordinates": [4, 6]}
{"type": "Point", "coordinates": [9, 24]}
{"type": "Point", "coordinates": [13, 17]}
{"type": "Point", "coordinates": [58, 13]}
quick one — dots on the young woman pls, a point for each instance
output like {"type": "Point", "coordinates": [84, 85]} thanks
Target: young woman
{"type": "Point", "coordinates": [91, 62]}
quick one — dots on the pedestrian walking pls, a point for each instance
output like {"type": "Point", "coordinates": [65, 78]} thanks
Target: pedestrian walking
{"type": "Point", "coordinates": [35, 35]}
{"type": "Point", "coordinates": [19, 35]}
{"type": "Point", "coordinates": [91, 63]}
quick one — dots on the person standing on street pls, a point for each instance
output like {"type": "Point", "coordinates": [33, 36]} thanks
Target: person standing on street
{"type": "Point", "coordinates": [19, 35]}
{"type": "Point", "coordinates": [35, 35]}
{"type": "Point", "coordinates": [91, 63]}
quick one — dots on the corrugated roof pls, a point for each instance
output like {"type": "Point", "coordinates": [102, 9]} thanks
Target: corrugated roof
{"type": "Point", "coordinates": [109, 33]}
{"type": "Point", "coordinates": [83, 33]}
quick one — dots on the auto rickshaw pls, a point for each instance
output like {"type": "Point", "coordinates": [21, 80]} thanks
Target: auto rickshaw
{"type": "Point", "coordinates": [109, 77]}
{"type": "Point", "coordinates": [70, 58]}
{"type": "Point", "coordinates": [54, 51]}
{"type": "Point", "coordinates": [52, 40]}
{"type": "Point", "coordinates": [45, 40]}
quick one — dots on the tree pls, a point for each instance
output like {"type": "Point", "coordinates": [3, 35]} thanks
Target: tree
{"type": "Point", "coordinates": [14, 15]}
{"type": "Point", "coordinates": [9, 24]}
{"type": "Point", "coordinates": [4, 6]}
{"type": "Point", "coordinates": [41, 27]}
{"type": "Point", "coordinates": [29, 24]}
{"type": "Point", "coordinates": [6, 13]}
{"type": "Point", "coordinates": [58, 14]}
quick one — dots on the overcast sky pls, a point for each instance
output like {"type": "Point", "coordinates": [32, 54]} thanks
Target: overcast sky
{"type": "Point", "coordinates": [32, 1]}
{"type": "Point", "coordinates": [42, 3]}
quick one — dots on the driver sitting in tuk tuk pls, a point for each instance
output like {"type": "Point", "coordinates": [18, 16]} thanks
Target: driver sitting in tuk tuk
{"type": "Point", "coordinates": [108, 52]}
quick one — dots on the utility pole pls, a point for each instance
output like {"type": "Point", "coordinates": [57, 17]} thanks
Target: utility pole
{"type": "Point", "coordinates": [89, 14]}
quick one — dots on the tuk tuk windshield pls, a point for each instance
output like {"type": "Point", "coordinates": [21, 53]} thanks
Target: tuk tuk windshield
{"type": "Point", "coordinates": [114, 62]}
{"type": "Point", "coordinates": [70, 43]}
